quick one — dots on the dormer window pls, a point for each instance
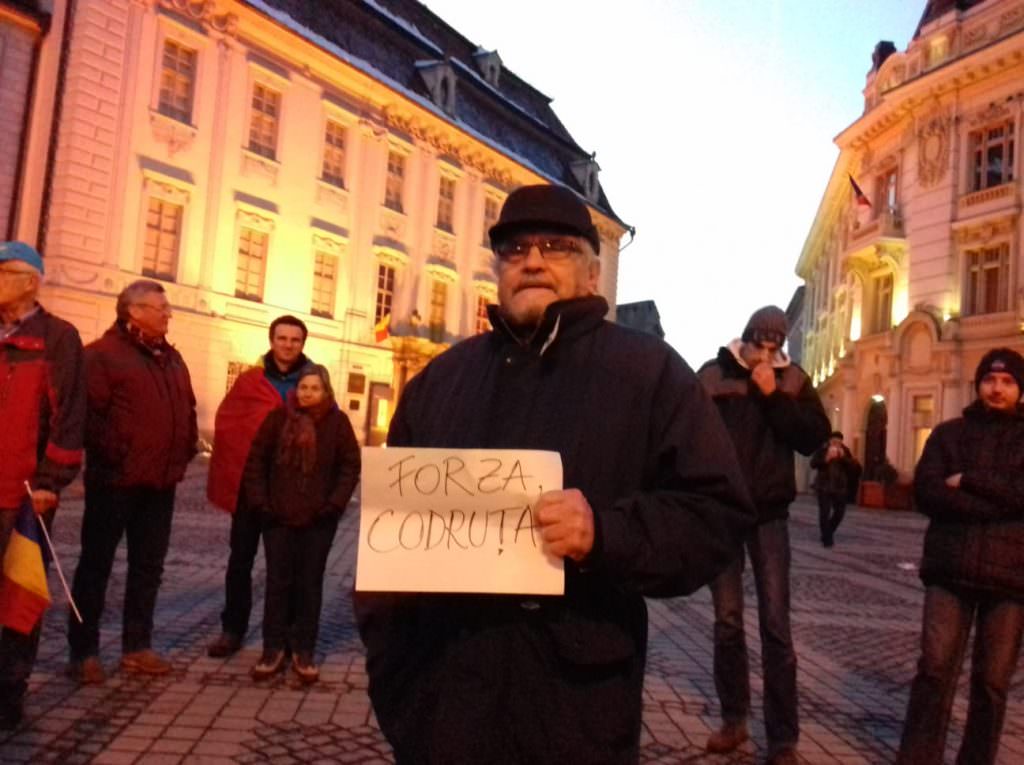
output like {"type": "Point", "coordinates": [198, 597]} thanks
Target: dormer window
{"type": "Point", "coordinates": [439, 77]}
{"type": "Point", "coordinates": [489, 64]}
{"type": "Point", "coordinates": [586, 171]}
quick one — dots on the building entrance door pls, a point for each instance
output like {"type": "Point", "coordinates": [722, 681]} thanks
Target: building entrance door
{"type": "Point", "coordinates": [875, 441]}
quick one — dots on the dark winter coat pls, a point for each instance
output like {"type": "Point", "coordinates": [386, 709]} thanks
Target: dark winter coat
{"type": "Point", "coordinates": [642, 442]}
{"type": "Point", "coordinates": [975, 539]}
{"type": "Point", "coordinates": [838, 477]}
{"type": "Point", "coordinates": [766, 430]}
{"type": "Point", "coordinates": [141, 425]}
{"type": "Point", "coordinates": [284, 492]}
{"type": "Point", "coordinates": [42, 406]}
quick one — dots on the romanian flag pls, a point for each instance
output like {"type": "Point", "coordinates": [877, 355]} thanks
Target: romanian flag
{"type": "Point", "coordinates": [381, 332]}
{"type": "Point", "coordinates": [24, 595]}
{"type": "Point", "coordinates": [860, 196]}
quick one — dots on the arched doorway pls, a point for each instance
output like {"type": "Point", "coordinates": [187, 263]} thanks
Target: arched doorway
{"type": "Point", "coordinates": [875, 440]}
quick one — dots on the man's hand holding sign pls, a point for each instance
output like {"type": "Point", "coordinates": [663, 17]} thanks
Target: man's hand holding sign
{"type": "Point", "coordinates": [473, 520]}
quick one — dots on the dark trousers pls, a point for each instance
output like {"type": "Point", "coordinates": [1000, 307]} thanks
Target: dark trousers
{"type": "Point", "coordinates": [296, 559]}
{"type": "Point", "coordinates": [769, 555]}
{"type": "Point", "coordinates": [946, 626]}
{"type": "Point", "coordinates": [246, 529]}
{"type": "Point", "coordinates": [143, 516]}
{"type": "Point", "coordinates": [831, 509]}
{"type": "Point", "coordinates": [17, 651]}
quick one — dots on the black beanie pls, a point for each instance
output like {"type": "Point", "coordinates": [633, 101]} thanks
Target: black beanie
{"type": "Point", "coordinates": [768, 323]}
{"type": "Point", "coordinates": [1000, 360]}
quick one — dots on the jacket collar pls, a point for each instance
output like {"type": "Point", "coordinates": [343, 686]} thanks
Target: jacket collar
{"type": "Point", "coordinates": [562, 321]}
{"type": "Point", "coordinates": [270, 368]}
{"type": "Point", "coordinates": [979, 413]}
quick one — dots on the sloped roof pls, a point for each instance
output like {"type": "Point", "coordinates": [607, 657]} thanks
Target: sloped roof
{"type": "Point", "coordinates": [934, 9]}
{"type": "Point", "coordinates": [392, 36]}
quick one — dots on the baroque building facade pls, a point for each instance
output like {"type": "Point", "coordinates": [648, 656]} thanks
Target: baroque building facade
{"type": "Point", "coordinates": [913, 262]}
{"type": "Point", "coordinates": [339, 160]}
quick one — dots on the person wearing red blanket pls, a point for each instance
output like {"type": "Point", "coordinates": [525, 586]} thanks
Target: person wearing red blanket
{"type": "Point", "coordinates": [256, 393]}
{"type": "Point", "coordinates": [42, 406]}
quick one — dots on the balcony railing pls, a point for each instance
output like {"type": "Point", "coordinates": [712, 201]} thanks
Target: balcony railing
{"type": "Point", "coordinates": [887, 223]}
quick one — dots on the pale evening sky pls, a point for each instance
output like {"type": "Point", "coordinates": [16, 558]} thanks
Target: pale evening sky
{"type": "Point", "coordinates": [713, 123]}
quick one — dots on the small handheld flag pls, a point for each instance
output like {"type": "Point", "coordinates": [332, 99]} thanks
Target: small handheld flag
{"type": "Point", "coordinates": [860, 196]}
{"type": "Point", "coordinates": [24, 594]}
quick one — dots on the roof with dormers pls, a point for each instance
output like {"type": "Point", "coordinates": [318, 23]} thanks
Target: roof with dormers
{"type": "Point", "coordinates": [396, 37]}
{"type": "Point", "coordinates": [935, 9]}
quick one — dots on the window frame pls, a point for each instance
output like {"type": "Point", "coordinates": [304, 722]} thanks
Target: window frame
{"type": "Point", "coordinates": [154, 271]}
{"type": "Point", "coordinates": [384, 296]}
{"type": "Point", "coordinates": [977, 285]}
{"type": "Point", "coordinates": [256, 118]}
{"type": "Point", "coordinates": [980, 144]}
{"type": "Point", "coordinates": [182, 114]}
{"type": "Point", "coordinates": [394, 198]}
{"type": "Point", "coordinates": [255, 230]}
{"type": "Point", "coordinates": [327, 295]}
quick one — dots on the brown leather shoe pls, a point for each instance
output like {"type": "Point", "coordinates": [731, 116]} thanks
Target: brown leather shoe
{"type": "Point", "coordinates": [227, 644]}
{"type": "Point", "coordinates": [88, 671]}
{"type": "Point", "coordinates": [727, 738]}
{"type": "Point", "coordinates": [145, 662]}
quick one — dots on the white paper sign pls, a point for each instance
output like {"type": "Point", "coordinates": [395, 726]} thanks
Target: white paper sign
{"type": "Point", "coordinates": [456, 520]}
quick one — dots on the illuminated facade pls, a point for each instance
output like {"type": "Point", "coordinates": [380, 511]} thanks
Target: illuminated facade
{"type": "Point", "coordinates": [908, 287]}
{"type": "Point", "coordinates": [337, 160]}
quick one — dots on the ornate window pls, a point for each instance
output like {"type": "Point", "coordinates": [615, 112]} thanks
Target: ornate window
{"type": "Point", "coordinates": [438, 306]}
{"type": "Point", "coordinates": [987, 282]}
{"type": "Point", "coordinates": [177, 81]}
{"type": "Point", "coordinates": [325, 276]}
{"type": "Point", "coordinates": [395, 181]}
{"type": "Point", "coordinates": [252, 263]}
{"type": "Point", "coordinates": [483, 321]}
{"type": "Point", "coordinates": [446, 204]}
{"type": "Point", "coordinates": [163, 239]}
{"type": "Point", "coordinates": [881, 313]}
{"type": "Point", "coordinates": [991, 155]}
{"type": "Point", "coordinates": [266, 112]}
{"type": "Point", "coordinates": [385, 292]}
{"type": "Point", "coordinates": [333, 171]}
{"type": "Point", "coordinates": [887, 194]}
{"type": "Point", "coordinates": [491, 210]}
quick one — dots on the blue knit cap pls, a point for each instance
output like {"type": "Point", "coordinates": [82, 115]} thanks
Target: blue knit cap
{"type": "Point", "coordinates": [23, 252]}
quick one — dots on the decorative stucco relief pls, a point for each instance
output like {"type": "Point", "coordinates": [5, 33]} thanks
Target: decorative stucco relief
{"type": "Point", "coordinates": [933, 144]}
{"type": "Point", "coordinates": [176, 135]}
{"type": "Point", "coordinates": [206, 12]}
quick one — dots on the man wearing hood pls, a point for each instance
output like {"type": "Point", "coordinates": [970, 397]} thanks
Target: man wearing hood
{"type": "Point", "coordinates": [770, 409]}
{"type": "Point", "coordinates": [500, 678]}
{"type": "Point", "coordinates": [255, 394]}
{"type": "Point", "coordinates": [970, 483]}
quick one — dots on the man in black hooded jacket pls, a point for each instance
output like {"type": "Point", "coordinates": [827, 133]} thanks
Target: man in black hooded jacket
{"type": "Point", "coordinates": [654, 505]}
{"type": "Point", "coordinates": [771, 410]}
{"type": "Point", "coordinates": [970, 483]}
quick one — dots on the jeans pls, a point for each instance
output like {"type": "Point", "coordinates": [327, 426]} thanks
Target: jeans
{"type": "Point", "coordinates": [246, 529]}
{"type": "Point", "coordinates": [142, 515]}
{"type": "Point", "coordinates": [831, 509]}
{"type": "Point", "coordinates": [944, 632]}
{"type": "Point", "coordinates": [296, 559]}
{"type": "Point", "coordinates": [769, 555]}
{"type": "Point", "coordinates": [17, 651]}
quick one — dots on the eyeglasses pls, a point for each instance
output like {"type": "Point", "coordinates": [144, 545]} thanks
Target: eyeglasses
{"type": "Point", "coordinates": [550, 247]}
{"type": "Point", "coordinates": [165, 309]}
{"type": "Point", "coordinates": [12, 272]}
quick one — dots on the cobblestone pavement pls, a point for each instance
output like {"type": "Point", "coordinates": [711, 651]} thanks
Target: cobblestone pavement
{"type": "Point", "coordinates": [856, 613]}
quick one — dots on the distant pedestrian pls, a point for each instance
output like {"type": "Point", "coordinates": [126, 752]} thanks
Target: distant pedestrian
{"type": "Point", "coordinates": [970, 483]}
{"type": "Point", "coordinates": [140, 436]}
{"type": "Point", "coordinates": [770, 409]}
{"type": "Point", "coordinates": [301, 472]}
{"type": "Point", "coordinates": [42, 409]}
{"type": "Point", "coordinates": [836, 484]}
{"type": "Point", "coordinates": [256, 393]}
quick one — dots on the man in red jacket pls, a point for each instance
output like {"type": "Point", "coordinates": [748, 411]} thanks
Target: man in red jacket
{"type": "Point", "coordinates": [256, 393]}
{"type": "Point", "coordinates": [42, 407]}
{"type": "Point", "coordinates": [140, 436]}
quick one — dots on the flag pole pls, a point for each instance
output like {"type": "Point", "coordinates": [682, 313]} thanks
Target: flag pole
{"type": "Point", "coordinates": [56, 561]}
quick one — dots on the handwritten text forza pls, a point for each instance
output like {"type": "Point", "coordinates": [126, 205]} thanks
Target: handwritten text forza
{"type": "Point", "coordinates": [455, 520]}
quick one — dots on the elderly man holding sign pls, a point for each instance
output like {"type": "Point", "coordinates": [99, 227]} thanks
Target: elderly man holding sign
{"type": "Point", "coordinates": [468, 668]}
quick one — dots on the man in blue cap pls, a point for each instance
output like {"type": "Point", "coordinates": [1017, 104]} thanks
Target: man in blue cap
{"type": "Point", "coordinates": [42, 406]}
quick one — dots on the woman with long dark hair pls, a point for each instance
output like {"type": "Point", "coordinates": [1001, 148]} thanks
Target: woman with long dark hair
{"type": "Point", "coordinates": [301, 472]}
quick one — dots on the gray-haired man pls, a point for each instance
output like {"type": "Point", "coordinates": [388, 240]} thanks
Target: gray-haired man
{"type": "Point", "coordinates": [140, 435]}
